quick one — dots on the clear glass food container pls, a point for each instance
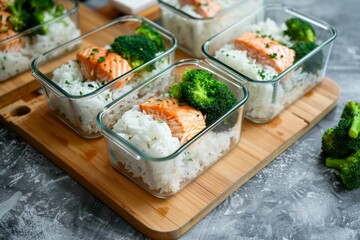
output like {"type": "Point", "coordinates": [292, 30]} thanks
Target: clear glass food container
{"type": "Point", "coordinates": [163, 170]}
{"type": "Point", "coordinates": [77, 102]}
{"type": "Point", "coordinates": [17, 51]}
{"type": "Point", "coordinates": [192, 30]}
{"type": "Point", "coordinates": [270, 96]}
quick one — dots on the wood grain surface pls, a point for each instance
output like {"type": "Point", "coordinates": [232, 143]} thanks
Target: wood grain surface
{"type": "Point", "coordinates": [88, 163]}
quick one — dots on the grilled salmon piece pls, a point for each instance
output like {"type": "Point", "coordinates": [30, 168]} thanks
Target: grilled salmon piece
{"type": "Point", "coordinates": [12, 46]}
{"type": "Point", "coordinates": [6, 32]}
{"type": "Point", "coordinates": [184, 121]}
{"type": "Point", "coordinates": [266, 51]}
{"type": "Point", "coordinates": [111, 67]}
{"type": "Point", "coordinates": [206, 8]}
{"type": "Point", "coordinates": [88, 60]}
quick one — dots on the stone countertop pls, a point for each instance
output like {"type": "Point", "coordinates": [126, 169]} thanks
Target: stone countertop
{"type": "Point", "coordinates": [294, 197]}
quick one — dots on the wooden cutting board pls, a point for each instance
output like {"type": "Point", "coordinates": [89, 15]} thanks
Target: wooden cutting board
{"type": "Point", "coordinates": [88, 163]}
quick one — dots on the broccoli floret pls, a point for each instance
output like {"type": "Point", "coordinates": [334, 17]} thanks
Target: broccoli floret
{"type": "Point", "coordinates": [136, 49]}
{"type": "Point", "coordinates": [200, 90]}
{"type": "Point", "coordinates": [145, 30]}
{"type": "Point", "coordinates": [302, 49]}
{"type": "Point", "coordinates": [20, 18]}
{"type": "Point", "coordinates": [352, 112]}
{"type": "Point", "coordinates": [349, 169]}
{"type": "Point", "coordinates": [175, 91]}
{"type": "Point", "coordinates": [299, 30]}
{"type": "Point", "coordinates": [336, 141]}
{"type": "Point", "coordinates": [27, 14]}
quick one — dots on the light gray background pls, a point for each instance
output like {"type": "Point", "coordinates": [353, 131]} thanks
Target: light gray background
{"type": "Point", "coordinates": [295, 197]}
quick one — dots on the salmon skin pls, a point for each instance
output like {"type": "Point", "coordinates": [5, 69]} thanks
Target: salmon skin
{"type": "Point", "coordinates": [266, 51]}
{"type": "Point", "coordinates": [98, 63]}
{"type": "Point", "coordinates": [6, 32]}
{"type": "Point", "coordinates": [184, 121]}
{"type": "Point", "coordinates": [206, 8]}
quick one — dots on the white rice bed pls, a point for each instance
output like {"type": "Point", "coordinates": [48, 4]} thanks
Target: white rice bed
{"type": "Point", "coordinates": [82, 113]}
{"type": "Point", "coordinates": [266, 101]}
{"type": "Point", "coordinates": [14, 63]}
{"type": "Point", "coordinates": [154, 138]}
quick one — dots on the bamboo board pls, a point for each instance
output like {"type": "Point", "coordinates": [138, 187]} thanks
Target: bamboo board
{"type": "Point", "coordinates": [88, 163]}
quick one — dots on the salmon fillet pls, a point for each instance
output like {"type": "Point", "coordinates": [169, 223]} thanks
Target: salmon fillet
{"type": "Point", "coordinates": [88, 60]}
{"type": "Point", "coordinates": [112, 66]}
{"type": "Point", "coordinates": [7, 32]}
{"type": "Point", "coordinates": [184, 121]}
{"type": "Point", "coordinates": [206, 8]}
{"type": "Point", "coordinates": [266, 51]}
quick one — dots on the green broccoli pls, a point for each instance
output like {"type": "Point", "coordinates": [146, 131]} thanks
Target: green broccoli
{"type": "Point", "coordinates": [352, 113]}
{"type": "Point", "coordinates": [299, 30]}
{"type": "Point", "coordinates": [349, 169]}
{"type": "Point", "coordinates": [20, 18]}
{"type": "Point", "coordinates": [200, 90]}
{"type": "Point", "coordinates": [136, 49]}
{"type": "Point", "coordinates": [302, 49]}
{"type": "Point", "coordinates": [336, 141]}
{"type": "Point", "coordinates": [145, 30]}
{"type": "Point", "coordinates": [30, 13]}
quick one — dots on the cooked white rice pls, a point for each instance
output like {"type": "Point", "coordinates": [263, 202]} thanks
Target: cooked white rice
{"type": "Point", "coordinates": [81, 113]}
{"type": "Point", "coordinates": [191, 34]}
{"type": "Point", "coordinates": [267, 100]}
{"type": "Point", "coordinates": [13, 63]}
{"type": "Point", "coordinates": [154, 138]}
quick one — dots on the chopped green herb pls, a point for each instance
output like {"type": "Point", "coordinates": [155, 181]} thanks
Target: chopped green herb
{"type": "Point", "coordinates": [101, 59]}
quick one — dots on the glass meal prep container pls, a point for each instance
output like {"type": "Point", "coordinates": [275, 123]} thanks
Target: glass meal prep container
{"type": "Point", "coordinates": [192, 30]}
{"type": "Point", "coordinates": [17, 51]}
{"type": "Point", "coordinates": [158, 162]}
{"type": "Point", "coordinates": [75, 99]}
{"type": "Point", "coordinates": [271, 92]}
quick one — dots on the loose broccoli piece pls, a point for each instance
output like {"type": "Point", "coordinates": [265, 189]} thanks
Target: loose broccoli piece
{"type": "Point", "coordinates": [352, 112]}
{"type": "Point", "coordinates": [349, 169]}
{"type": "Point", "coordinates": [336, 141]}
{"type": "Point", "coordinates": [136, 49]}
{"type": "Point", "coordinates": [145, 30]}
{"type": "Point", "coordinates": [299, 30]}
{"type": "Point", "coordinates": [200, 90]}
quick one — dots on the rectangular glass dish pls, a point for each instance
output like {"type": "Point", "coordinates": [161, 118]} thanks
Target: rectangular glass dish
{"type": "Point", "coordinates": [18, 49]}
{"type": "Point", "coordinates": [192, 30]}
{"type": "Point", "coordinates": [74, 98]}
{"type": "Point", "coordinates": [270, 91]}
{"type": "Point", "coordinates": [152, 157]}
